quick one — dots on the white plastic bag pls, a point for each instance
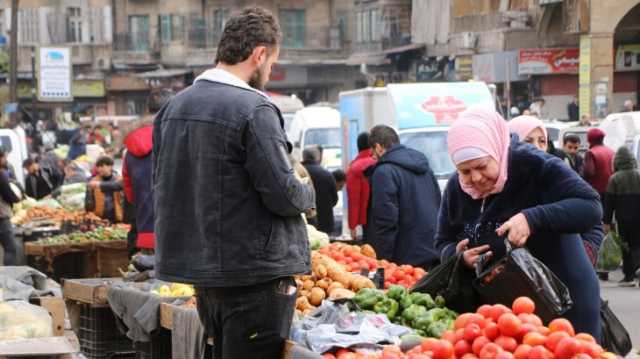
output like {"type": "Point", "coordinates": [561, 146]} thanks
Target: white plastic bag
{"type": "Point", "coordinates": [21, 320]}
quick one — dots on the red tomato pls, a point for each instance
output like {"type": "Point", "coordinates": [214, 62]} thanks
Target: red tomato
{"type": "Point", "coordinates": [443, 350]}
{"type": "Point", "coordinates": [328, 355]}
{"type": "Point", "coordinates": [522, 352]}
{"type": "Point", "coordinates": [387, 285]}
{"type": "Point", "coordinates": [507, 343]}
{"type": "Point", "coordinates": [428, 344]}
{"type": "Point", "coordinates": [479, 343]}
{"type": "Point", "coordinates": [583, 356]}
{"type": "Point", "coordinates": [393, 280]}
{"type": "Point", "coordinates": [399, 274]}
{"type": "Point", "coordinates": [567, 348]}
{"type": "Point", "coordinates": [504, 355]}
{"type": "Point", "coordinates": [490, 351]}
{"type": "Point", "coordinates": [554, 338]}
{"type": "Point", "coordinates": [485, 311]}
{"type": "Point", "coordinates": [449, 336]}
{"type": "Point", "coordinates": [348, 260]}
{"type": "Point", "coordinates": [345, 354]}
{"type": "Point", "coordinates": [464, 319]}
{"type": "Point", "coordinates": [509, 324]}
{"type": "Point", "coordinates": [544, 330]}
{"type": "Point", "coordinates": [471, 332]}
{"type": "Point", "coordinates": [469, 356]}
{"type": "Point", "coordinates": [459, 334]}
{"type": "Point", "coordinates": [461, 348]}
{"type": "Point", "coordinates": [523, 305]}
{"type": "Point", "coordinates": [497, 311]}
{"type": "Point", "coordinates": [524, 329]}
{"type": "Point", "coordinates": [593, 349]}
{"type": "Point", "coordinates": [408, 278]}
{"type": "Point", "coordinates": [562, 325]}
{"type": "Point", "coordinates": [585, 337]}
{"type": "Point", "coordinates": [491, 331]}
{"type": "Point", "coordinates": [540, 352]}
{"type": "Point", "coordinates": [534, 338]}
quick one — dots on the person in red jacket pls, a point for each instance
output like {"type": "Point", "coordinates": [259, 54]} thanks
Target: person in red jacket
{"type": "Point", "coordinates": [358, 189]}
{"type": "Point", "coordinates": [598, 161]}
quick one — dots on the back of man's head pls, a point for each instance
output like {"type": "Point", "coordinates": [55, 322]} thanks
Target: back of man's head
{"type": "Point", "coordinates": [243, 32]}
{"type": "Point", "coordinates": [363, 141]}
{"type": "Point", "coordinates": [311, 154]}
{"type": "Point", "coordinates": [384, 136]}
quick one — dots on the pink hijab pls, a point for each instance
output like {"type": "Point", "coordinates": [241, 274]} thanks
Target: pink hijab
{"type": "Point", "coordinates": [480, 132]}
{"type": "Point", "coordinates": [523, 125]}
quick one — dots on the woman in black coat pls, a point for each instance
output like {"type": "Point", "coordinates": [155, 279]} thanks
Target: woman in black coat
{"type": "Point", "coordinates": [504, 187]}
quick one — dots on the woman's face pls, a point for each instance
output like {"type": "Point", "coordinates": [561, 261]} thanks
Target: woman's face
{"type": "Point", "coordinates": [538, 139]}
{"type": "Point", "coordinates": [481, 174]}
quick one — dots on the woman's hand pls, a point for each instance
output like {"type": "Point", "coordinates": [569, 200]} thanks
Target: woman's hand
{"type": "Point", "coordinates": [470, 256]}
{"type": "Point", "coordinates": [518, 229]}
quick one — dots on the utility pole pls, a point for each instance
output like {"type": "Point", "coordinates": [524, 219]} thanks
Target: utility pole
{"type": "Point", "coordinates": [13, 53]}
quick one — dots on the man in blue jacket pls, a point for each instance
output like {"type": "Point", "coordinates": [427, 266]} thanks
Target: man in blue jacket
{"type": "Point", "coordinates": [404, 202]}
{"type": "Point", "coordinates": [228, 207]}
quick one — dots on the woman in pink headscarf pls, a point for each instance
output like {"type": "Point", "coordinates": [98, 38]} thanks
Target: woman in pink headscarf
{"type": "Point", "coordinates": [506, 188]}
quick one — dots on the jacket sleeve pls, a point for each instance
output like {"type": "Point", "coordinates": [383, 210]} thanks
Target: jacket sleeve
{"type": "Point", "coordinates": [114, 185]}
{"type": "Point", "coordinates": [594, 237]}
{"type": "Point", "coordinates": [354, 192]}
{"type": "Point", "coordinates": [610, 200]}
{"type": "Point", "coordinates": [446, 236]}
{"type": "Point", "coordinates": [5, 190]}
{"type": "Point", "coordinates": [569, 204]}
{"type": "Point", "coordinates": [589, 166]}
{"type": "Point", "coordinates": [126, 181]}
{"type": "Point", "coordinates": [385, 212]}
{"type": "Point", "coordinates": [269, 167]}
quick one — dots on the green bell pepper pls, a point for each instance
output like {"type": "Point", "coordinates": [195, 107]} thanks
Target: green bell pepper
{"type": "Point", "coordinates": [413, 311]}
{"type": "Point", "coordinates": [397, 292]}
{"type": "Point", "coordinates": [367, 298]}
{"type": "Point", "coordinates": [440, 301]}
{"type": "Point", "coordinates": [387, 306]}
{"type": "Point", "coordinates": [406, 302]}
{"type": "Point", "coordinates": [423, 299]}
{"type": "Point", "coordinates": [436, 329]}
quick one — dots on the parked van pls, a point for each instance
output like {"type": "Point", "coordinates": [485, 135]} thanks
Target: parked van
{"type": "Point", "coordinates": [318, 125]}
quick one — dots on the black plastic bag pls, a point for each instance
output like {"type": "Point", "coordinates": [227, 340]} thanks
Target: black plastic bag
{"type": "Point", "coordinates": [615, 337]}
{"type": "Point", "coordinates": [453, 281]}
{"type": "Point", "coordinates": [518, 274]}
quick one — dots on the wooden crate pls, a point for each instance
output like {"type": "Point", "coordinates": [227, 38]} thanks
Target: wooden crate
{"type": "Point", "coordinates": [111, 257]}
{"type": "Point", "coordinates": [91, 291]}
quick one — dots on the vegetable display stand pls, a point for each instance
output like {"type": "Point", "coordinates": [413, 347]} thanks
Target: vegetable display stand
{"type": "Point", "coordinates": [93, 321]}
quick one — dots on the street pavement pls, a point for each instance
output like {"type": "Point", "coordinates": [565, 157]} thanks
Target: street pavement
{"type": "Point", "coordinates": [625, 303]}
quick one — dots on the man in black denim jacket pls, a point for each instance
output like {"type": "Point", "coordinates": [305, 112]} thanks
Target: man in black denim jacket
{"type": "Point", "coordinates": [228, 205]}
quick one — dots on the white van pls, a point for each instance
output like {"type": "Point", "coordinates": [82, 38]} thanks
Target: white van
{"type": "Point", "coordinates": [318, 125]}
{"type": "Point", "coordinates": [16, 149]}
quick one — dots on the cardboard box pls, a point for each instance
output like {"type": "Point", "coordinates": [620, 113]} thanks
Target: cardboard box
{"type": "Point", "coordinates": [55, 307]}
{"type": "Point", "coordinates": [91, 291]}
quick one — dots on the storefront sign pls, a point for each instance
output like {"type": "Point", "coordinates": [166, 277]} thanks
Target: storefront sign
{"type": "Point", "coordinates": [54, 74]}
{"type": "Point", "coordinates": [464, 68]}
{"type": "Point", "coordinates": [628, 58]}
{"type": "Point", "coordinates": [493, 68]}
{"type": "Point", "coordinates": [88, 88]}
{"type": "Point", "coordinates": [585, 76]}
{"type": "Point", "coordinates": [548, 61]}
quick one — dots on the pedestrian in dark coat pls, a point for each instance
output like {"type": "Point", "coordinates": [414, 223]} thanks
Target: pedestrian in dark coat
{"type": "Point", "coordinates": [504, 187]}
{"type": "Point", "coordinates": [404, 202]}
{"type": "Point", "coordinates": [623, 200]}
{"type": "Point", "coordinates": [40, 181]}
{"type": "Point", "coordinates": [7, 198]}
{"type": "Point", "coordinates": [598, 161]}
{"type": "Point", "coordinates": [326, 191]}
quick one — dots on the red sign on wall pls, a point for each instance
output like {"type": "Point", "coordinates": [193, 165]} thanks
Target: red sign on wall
{"type": "Point", "coordinates": [548, 61]}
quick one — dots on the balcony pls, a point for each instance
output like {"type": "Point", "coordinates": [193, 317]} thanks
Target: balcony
{"type": "Point", "coordinates": [134, 49]}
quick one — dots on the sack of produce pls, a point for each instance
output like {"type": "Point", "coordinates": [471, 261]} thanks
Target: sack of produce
{"type": "Point", "coordinates": [517, 274]}
{"type": "Point", "coordinates": [610, 254]}
{"type": "Point", "coordinates": [21, 320]}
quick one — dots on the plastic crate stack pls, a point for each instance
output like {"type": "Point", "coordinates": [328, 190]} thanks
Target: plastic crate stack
{"type": "Point", "coordinates": [99, 335]}
{"type": "Point", "coordinates": [158, 348]}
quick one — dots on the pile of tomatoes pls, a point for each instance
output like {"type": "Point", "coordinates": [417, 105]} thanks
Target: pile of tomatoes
{"type": "Point", "coordinates": [498, 332]}
{"type": "Point", "coordinates": [356, 258]}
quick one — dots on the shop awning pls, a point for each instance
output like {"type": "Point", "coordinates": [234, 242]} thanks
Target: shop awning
{"type": "Point", "coordinates": [163, 73]}
{"type": "Point", "coordinates": [368, 59]}
{"type": "Point", "coordinates": [404, 48]}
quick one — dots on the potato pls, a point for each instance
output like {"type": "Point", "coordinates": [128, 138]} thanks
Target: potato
{"type": "Point", "coordinates": [341, 293]}
{"type": "Point", "coordinates": [334, 285]}
{"type": "Point", "coordinates": [304, 293]}
{"type": "Point", "coordinates": [316, 296]}
{"type": "Point", "coordinates": [360, 282]}
{"type": "Point", "coordinates": [323, 283]}
{"type": "Point", "coordinates": [340, 275]}
{"type": "Point", "coordinates": [302, 303]}
{"type": "Point", "coordinates": [368, 251]}
{"type": "Point", "coordinates": [308, 284]}
{"type": "Point", "coordinates": [320, 271]}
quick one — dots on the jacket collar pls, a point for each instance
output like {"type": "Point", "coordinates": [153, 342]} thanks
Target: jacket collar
{"type": "Point", "coordinates": [227, 78]}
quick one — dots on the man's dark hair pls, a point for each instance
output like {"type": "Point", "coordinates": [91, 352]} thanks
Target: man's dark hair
{"type": "Point", "coordinates": [28, 162]}
{"type": "Point", "coordinates": [384, 136]}
{"type": "Point", "coordinates": [363, 141]}
{"type": "Point", "coordinates": [571, 139]}
{"type": "Point", "coordinates": [311, 154]}
{"type": "Point", "coordinates": [104, 161]}
{"type": "Point", "coordinates": [339, 175]}
{"type": "Point", "coordinates": [244, 32]}
{"type": "Point", "coordinates": [157, 99]}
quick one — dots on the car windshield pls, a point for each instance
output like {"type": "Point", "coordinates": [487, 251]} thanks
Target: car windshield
{"type": "Point", "coordinates": [325, 137]}
{"type": "Point", "coordinates": [434, 146]}
{"type": "Point", "coordinates": [553, 133]}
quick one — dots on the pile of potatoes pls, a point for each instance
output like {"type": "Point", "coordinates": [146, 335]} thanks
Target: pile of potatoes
{"type": "Point", "coordinates": [327, 280]}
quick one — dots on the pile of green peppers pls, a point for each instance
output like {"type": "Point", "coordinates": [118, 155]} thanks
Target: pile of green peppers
{"type": "Point", "coordinates": [427, 316]}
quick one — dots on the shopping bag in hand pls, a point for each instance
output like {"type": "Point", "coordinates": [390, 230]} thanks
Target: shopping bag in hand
{"type": "Point", "coordinates": [518, 274]}
{"type": "Point", "coordinates": [453, 281]}
{"type": "Point", "coordinates": [615, 337]}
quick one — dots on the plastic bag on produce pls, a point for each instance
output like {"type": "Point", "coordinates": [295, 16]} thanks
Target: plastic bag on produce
{"type": "Point", "coordinates": [73, 202]}
{"type": "Point", "coordinates": [615, 337]}
{"type": "Point", "coordinates": [21, 320]}
{"type": "Point", "coordinates": [610, 254]}
{"type": "Point", "coordinates": [332, 326]}
{"type": "Point", "coordinates": [451, 280]}
{"type": "Point", "coordinates": [517, 274]}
